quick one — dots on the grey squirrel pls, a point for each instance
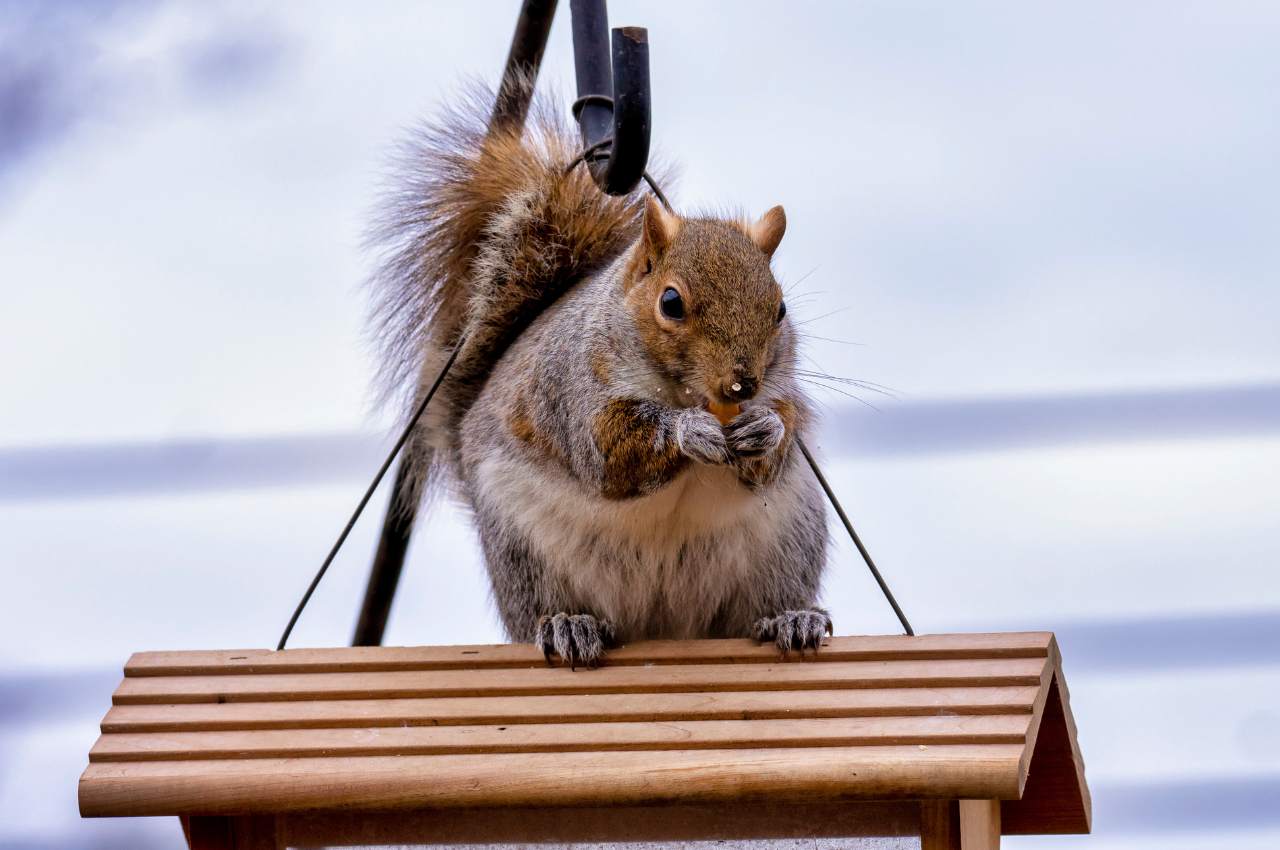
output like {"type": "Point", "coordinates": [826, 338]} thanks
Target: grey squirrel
{"type": "Point", "coordinates": [621, 417]}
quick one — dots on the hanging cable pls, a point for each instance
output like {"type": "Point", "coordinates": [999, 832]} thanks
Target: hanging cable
{"type": "Point", "coordinates": [368, 494]}
{"type": "Point", "coordinates": [853, 535]}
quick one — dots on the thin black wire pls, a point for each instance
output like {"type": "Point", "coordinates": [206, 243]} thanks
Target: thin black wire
{"type": "Point", "coordinates": [368, 494]}
{"type": "Point", "coordinates": [588, 154]}
{"type": "Point", "coordinates": [653, 186]}
{"type": "Point", "coordinates": [597, 152]}
{"type": "Point", "coordinates": [857, 541]}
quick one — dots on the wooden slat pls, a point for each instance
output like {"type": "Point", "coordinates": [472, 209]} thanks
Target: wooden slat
{"type": "Point", "coordinates": [554, 737]}
{"type": "Point", "coordinates": [479, 657]}
{"type": "Point", "coordinates": [577, 708]}
{"type": "Point", "coordinates": [254, 786]}
{"type": "Point", "coordinates": [657, 679]}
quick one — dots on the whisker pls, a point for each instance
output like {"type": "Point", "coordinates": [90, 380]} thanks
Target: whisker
{"type": "Point", "coordinates": [823, 316]}
{"type": "Point", "coordinates": [869, 386]}
{"type": "Point", "coordinates": [856, 398]}
{"type": "Point", "coordinates": [818, 371]}
{"type": "Point", "coordinates": [832, 339]}
{"type": "Point", "coordinates": [786, 290]}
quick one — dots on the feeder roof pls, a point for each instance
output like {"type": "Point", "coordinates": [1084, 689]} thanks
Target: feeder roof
{"type": "Point", "coordinates": [931, 717]}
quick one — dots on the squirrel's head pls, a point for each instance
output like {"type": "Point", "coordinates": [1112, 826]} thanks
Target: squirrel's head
{"type": "Point", "coordinates": [706, 303]}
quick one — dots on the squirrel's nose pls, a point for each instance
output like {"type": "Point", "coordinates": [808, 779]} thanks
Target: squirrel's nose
{"type": "Point", "coordinates": [739, 388]}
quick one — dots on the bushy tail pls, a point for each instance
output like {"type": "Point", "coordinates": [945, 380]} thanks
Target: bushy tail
{"type": "Point", "coordinates": [481, 232]}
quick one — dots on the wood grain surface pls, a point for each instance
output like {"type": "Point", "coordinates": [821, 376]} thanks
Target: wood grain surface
{"type": "Point", "coordinates": [667, 723]}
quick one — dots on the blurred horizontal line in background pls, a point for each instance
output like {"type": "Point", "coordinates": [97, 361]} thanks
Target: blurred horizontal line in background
{"type": "Point", "coordinates": [1221, 805]}
{"type": "Point", "coordinates": [52, 472]}
{"type": "Point", "coordinates": [1033, 421]}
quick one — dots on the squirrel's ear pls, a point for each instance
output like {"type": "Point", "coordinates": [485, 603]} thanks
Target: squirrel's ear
{"type": "Point", "coordinates": [767, 232]}
{"type": "Point", "coordinates": [660, 227]}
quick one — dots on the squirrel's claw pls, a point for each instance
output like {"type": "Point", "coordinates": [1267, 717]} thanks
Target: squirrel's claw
{"type": "Point", "coordinates": [576, 638]}
{"type": "Point", "coordinates": [798, 630]}
{"type": "Point", "coordinates": [543, 638]}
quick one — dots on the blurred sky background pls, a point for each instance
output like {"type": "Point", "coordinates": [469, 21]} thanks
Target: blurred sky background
{"type": "Point", "coordinates": [1050, 228]}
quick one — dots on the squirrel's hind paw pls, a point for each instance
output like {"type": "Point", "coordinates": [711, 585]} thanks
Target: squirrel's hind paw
{"type": "Point", "coordinates": [576, 638]}
{"type": "Point", "coordinates": [799, 630]}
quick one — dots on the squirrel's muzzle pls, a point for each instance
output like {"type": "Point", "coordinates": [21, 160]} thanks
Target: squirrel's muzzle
{"type": "Point", "coordinates": [739, 387]}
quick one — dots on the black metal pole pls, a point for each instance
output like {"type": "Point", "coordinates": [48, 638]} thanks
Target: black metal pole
{"type": "Point", "coordinates": [590, 20]}
{"type": "Point", "coordinates": [528, 43]}
{"type": "Point", "coordinates": [384, 575]}
{"type": "Point", "coordinates": [630, 150]}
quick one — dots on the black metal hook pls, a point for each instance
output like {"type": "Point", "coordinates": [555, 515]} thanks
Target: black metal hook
{"type": "Point", "coordinates": [612, 109]}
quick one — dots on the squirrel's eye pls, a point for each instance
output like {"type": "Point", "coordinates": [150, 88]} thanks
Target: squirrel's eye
{"type": "Point", "coordinates": [672, 304]}
{"type": "Point", "coordinates": [782, 311]}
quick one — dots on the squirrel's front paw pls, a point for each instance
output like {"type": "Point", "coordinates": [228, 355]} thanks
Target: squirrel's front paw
{"type": "Point", "coordinates": [576, 638]}
{"type": "Point", "coordinates": [794, 629]}
{"type": "Point", "coordinates": [700, 437]}
{"type": "Point", "coordinates": [755, 432]}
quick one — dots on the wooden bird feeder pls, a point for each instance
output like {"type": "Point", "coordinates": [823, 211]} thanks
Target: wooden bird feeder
{"type": "Point", "coordinates": [956, 739]}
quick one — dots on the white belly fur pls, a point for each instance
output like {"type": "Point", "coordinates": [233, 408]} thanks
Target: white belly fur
{"type": "Point", "coordinates": [622, 559]}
